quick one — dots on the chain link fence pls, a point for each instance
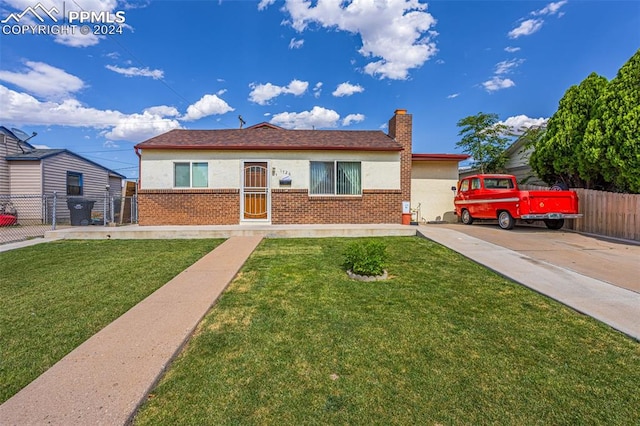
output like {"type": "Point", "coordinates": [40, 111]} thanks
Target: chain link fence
{"type": "Point", "coordinates": [24, 217]}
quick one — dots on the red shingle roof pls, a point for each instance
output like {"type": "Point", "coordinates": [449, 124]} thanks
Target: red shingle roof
{"type": "Point", "coordinates": [269, 137]}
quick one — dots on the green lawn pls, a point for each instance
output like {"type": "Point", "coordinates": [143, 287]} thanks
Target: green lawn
{"type": "Point", "coordinates": [55, 296]}
{"type": "Point", "coordinates": [444, 341]}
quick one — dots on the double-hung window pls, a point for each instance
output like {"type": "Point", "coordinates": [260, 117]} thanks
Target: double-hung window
{"type": "Point", "coordinates": [190, 175]}
{"type": "Point", "coordinates": [74, 183]}
{"type": "Point", "coordinates": [336, 178]}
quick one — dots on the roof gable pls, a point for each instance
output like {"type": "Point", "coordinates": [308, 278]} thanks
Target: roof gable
{"type": "Point", "coordinates": [276, 138]}
{"type": "Point", "coordinates": [41, 154]}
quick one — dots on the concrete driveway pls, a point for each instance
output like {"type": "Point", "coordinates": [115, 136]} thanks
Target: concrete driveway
{"type": "Point", "coordinates": [614, 262]}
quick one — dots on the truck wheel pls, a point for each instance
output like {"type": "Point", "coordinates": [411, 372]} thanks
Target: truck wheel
{"type": "Point", "coordinates": [559, 186]}
{"type": "Point", "coordinates": [554, 223]}
{"type": "Point", "coordinates": [466, 217]}
{"type": "Point", "coordinates": [505, 220]}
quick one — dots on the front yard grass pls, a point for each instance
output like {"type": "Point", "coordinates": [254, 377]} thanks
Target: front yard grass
{"type": "Point", "coordinates": [444, 341]}
{"type": "Point", "coordinates": [55, 296]}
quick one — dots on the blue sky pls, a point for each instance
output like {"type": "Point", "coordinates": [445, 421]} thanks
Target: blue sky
{"type": "Point", "coordinates": [321, 64]}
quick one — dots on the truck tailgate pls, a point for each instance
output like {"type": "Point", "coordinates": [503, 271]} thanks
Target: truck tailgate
{"type": "Point", "coordinates": [551, 201]}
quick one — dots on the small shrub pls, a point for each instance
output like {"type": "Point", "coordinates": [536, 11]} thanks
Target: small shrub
{"type": "Point", "coordinates": [365, 258]}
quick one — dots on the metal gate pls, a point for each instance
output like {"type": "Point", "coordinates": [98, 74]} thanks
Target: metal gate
{"type": "Point", "coordinates": [255, 192]}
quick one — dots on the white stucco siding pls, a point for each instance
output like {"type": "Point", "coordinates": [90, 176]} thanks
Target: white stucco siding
{"type": "Point", "coordinates": [380, 170]}
{"type": "Point", "coordinates": [431, 183]}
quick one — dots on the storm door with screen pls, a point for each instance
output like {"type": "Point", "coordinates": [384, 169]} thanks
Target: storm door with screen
{"type": "Point", "coordinates": [255, 191]}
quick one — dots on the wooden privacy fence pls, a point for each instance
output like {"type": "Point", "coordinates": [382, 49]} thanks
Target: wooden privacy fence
{"type": "Point", "coordinates": [605, 213]}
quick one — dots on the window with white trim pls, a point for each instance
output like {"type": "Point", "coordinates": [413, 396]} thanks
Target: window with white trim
{"type": "Point", "coordinates": [335, 178]}
{"type": "Point", "coordinates": [190, 175]}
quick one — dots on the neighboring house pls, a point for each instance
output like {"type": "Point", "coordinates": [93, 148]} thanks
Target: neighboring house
{"type": "Point", "coordinates": [432, 176]}
{"type": "Point", "coordinates": [28, 171]}
{"type": "Point", "coordinates": [517, 164]}
{"type": "Point", "coordinates": [267, 174]}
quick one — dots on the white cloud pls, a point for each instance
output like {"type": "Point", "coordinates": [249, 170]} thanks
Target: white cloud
{"type": "Point", "coordinates": [263, 93]}
{"type": "Point", "coordinates": [296, 44]}
{"type": "Point", "coordinates": [550, 9]}
{"type": "Point", "coordinates": [265, 3]}
{"type": "Point", "coordinates": [207, 105]}
{"type": "Point", "coordinates": [453, 95]}
{"type": "Point", "coordinates": [526, 28]}
{"type": "Point", "coordinates": [163, 110]}
{"type": "Point", "coordinates": [497, 83]}
{"type": "Point", "coordinates": [511, 49]}
{"type": "Point", "coordinates": [353, 118]}
{"type": "Point", "coordinates": [138, 127]}
{"type": "Point", "coordinates": [44, 80]}
{"type": "Point", "coordinates": [506, 67]}
{"type": "Point", "coordinates": [530, 26]}
{"type": "Point", "coordinates": [439, 62]}
{"type": "Point", "coordinates": [317, 90]}
{"type": "Point", "coordinates": [110, 144]}
{"type": "Point", "coordinates": [21, 108]}
{"type": "Point", "coordinates": [347, 89]}
{"type": "Point", "coordinates": [137, 72]}
{"type": "Point", "coordinates": [318, 117]}
{"type": "Point", "coordinates": [78, 40]}
{"type": "Point", "coordinates": [519, 123]}
{"type": "Point", "coordinates": [395, 31]}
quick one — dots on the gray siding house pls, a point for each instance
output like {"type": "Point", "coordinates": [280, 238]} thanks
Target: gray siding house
{"type": "Point", "coordinates": [29, 172]}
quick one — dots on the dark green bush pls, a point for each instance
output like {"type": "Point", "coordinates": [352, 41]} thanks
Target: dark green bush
{"type": "Point", "coordinates": [365, 258]}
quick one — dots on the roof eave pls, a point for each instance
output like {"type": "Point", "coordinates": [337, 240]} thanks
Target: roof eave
{"type": "Point", "coordinates": [439, 157]}
{"type": "Point", "coordinates": [268, 148]}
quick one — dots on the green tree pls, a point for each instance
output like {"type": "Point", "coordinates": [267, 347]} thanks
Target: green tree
{"type": "Point", "coordinates": [556, 157]}
{"type": "Point", "coordinates": [612, 140]}
{"type": "Point", "coordinates": [485, 139]}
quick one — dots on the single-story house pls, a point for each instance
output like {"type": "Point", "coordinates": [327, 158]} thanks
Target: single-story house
{"type": "Point", "coordinates": [27, 172]}
{"type": "Point", "coordinates": [267, 174]}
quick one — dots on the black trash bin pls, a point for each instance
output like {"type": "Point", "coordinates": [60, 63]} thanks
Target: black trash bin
{"type": "Point", "coordinates": [80, 209]}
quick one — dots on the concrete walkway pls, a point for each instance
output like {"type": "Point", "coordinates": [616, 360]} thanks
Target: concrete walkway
{"type": "Point", "coordinates": [614, 306]}
{"type": "Point", "coordinates": [104, 380]}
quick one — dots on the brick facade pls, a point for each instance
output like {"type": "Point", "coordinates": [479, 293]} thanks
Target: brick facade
{"type": "Point", "coordinates": [189, 207]}
{"type": "Point", "coordinates": [295, 206]}
{"type": "Point", "coordinates": [288, 206]}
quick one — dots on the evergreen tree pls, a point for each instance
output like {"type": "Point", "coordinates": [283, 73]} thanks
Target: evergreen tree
{"type": "Point", "coordinates": [557, 153]}
{"type": "Point", "coordinates": [612, 139]}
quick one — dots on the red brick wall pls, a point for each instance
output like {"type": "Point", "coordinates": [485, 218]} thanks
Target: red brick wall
{"type": "Point", "coordinates": [288, 206]}
{"type": "Point", "coordinates": [295, 206]}
{"type": "Point", "coordinates": [400, 128]}
{"type": "Point", "coordinates": [189, 207]}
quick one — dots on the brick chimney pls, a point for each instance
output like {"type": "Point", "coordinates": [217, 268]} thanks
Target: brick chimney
{"type": "Point", "coordinates": [400, 129]}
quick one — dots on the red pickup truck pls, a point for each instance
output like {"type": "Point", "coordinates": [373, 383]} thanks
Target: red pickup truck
{"type": "Point", "coordinates": [497, 196]}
